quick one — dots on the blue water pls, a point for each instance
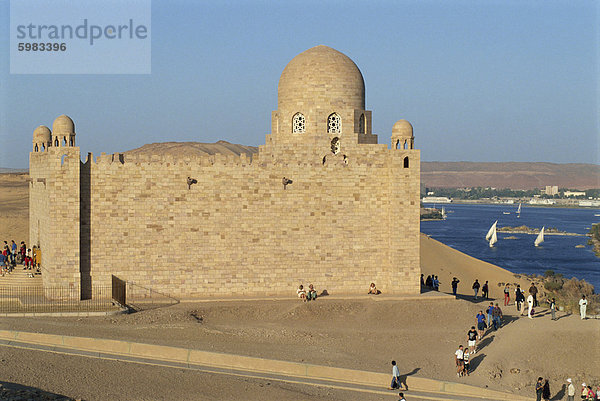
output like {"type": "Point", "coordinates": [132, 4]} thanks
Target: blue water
{"type": "Point", "coordinates": [466, 226]}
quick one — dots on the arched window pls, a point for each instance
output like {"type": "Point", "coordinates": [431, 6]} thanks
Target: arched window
{"type": "Point", "coordinates": [71, 142]}
{"type": "Point", "coordinates": [298, 123]}
{"type": "Point", "coordinates": [36, 148]}
{"type": "Point", "coordinates": [56, 142]}
{"type": "Point", "coordinates": [406, 162]}
{"type": "Point", "coordinates": [334, 124]}
{"type": "Point", "coordinates": [361, 124]}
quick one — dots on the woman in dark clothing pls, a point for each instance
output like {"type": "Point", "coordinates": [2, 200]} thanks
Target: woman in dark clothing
{"type": "Point", "coordinates": [546, 391]}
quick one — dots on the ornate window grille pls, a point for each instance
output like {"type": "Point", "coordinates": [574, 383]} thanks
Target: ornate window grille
{"type": "Point", "coordinates": [298, 123]}
{"type": "Point", "coordinates": [334, 124]}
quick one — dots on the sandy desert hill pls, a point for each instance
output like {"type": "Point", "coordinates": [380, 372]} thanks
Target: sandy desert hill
{"type": "Point", "coordinates": [187, 149]}
{"type": "Point", "coordinates": [514, 175]}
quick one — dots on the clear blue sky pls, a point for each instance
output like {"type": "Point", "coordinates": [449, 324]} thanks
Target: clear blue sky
{"type": "Point", "coordinates": [479, 80]}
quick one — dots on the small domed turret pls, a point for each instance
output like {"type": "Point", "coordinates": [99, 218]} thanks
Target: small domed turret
{"type": "Point", "coordinates": [63, 130]}
{"type": "Point", "coordinates": [42, 138]}
{"type": "Point", "coordinates": [402, 135]}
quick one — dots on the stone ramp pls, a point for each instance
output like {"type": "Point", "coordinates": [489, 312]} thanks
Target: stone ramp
{"type": "Point", "coordinates": [213, 362]}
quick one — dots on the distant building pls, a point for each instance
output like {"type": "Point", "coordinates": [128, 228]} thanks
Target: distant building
{"type": "Point", "coordinates": [436, 199]}
{"type": "Point", "coordinates": [551, 190]}
{"type": "Point", "coordinates": [589, 203]}
{"type": "Point", "coordinates": [574, 193]}
{"type": "Point", "coordinates": [539, 201]}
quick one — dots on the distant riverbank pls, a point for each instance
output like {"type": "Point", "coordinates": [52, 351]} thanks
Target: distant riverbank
{"type": "Point", "coordinates": [535, 231]}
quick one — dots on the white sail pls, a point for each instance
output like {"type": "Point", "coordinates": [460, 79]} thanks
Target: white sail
{"type": "Point", "coordinates": [519, 211]}
{"type": "Point", "coordinates": [443, 213]}
{"type": "Point", "coordinates": [494, 239]}
{"type": "Point", "coordinates": [491, 231]}
{"type": "Point", "coordinates": [540, 238]}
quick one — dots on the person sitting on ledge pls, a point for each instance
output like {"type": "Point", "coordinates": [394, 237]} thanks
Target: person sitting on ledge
{"type": "Point", "coordinates": [301, 293]}
{"type": "Point", "coordinates": [311, 293]}
{"type": "Point", "coordinates": [373, 290]}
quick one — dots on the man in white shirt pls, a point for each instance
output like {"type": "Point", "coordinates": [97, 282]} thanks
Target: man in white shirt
{"type": "Point", "coordinates": [530, 305]}
{"type": "Point", "coordinates": [570, 390]}
{"type": "Point", "coordinates": [395, 377]}
{"type": "Point", "coordinates": [459, 358]}
{"type": "Point", "coordinates": [582, 306]}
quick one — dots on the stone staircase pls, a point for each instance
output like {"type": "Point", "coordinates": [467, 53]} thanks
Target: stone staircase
{"type": "Point", "coordinates": [20, 278]}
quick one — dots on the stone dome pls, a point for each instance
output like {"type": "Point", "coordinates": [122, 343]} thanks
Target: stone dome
{"type": "Point", "coordinates": [402, 128]}
{"type": "Point", "coordinates": [63, 125]}
{"type": "Point", "coordinates": [41, 134]}
{"type": "Point", "coordinates": [321, 77]}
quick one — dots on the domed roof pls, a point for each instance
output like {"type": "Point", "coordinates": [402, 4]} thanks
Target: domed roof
{"type": "Point", "coordinates": [63, 125]}
{"type": "Point", "coordinates": [402, 128]}
{"type": "Point", "coordinates": [321, 77]}
{"type": "Point", "coordinates": [41, 134]}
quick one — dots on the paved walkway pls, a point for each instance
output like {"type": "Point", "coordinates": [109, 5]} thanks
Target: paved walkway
{"type": "Point", "coordinates": [257, 368]}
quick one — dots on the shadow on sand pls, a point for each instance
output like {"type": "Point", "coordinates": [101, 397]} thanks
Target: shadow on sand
{"type": "Point", "coordinates": [405, 376]}
{"type": "Point", "coordinates": [475, 361]}
{"type": "Point", "coordinates": [471, 298]}
{"type": "Point", "coordinates": [560, 394]}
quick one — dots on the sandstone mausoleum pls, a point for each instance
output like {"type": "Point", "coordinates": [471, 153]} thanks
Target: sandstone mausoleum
{"type": "Point", "coordinates": [321, 202]}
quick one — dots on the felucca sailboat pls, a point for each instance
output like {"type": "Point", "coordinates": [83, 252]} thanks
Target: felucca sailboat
{"type": "Point", "coordinates": [491, 235]}
{"type": "Point", "coordinates": [540, 238]}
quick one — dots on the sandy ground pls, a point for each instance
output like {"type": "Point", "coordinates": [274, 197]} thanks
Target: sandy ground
{"type": "Point", "coordinates": [365, 333]}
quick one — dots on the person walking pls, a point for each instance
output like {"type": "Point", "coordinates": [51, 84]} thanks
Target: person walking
{"type": "Point", "coordinates": [455, 282]}
{"type": "Point", "coordinates": [530, 306]}
{"type": "Point", "coordinates": [460, 363]}
{"type": "Point", "coordinates": [570, 390]}
{"type": "Point", "coordinates": [480, 324]}
{"type": "Point", "coordinates": [546, 391]}
{"type": "Point", "coordinates": [582, 306]}
{"type": "Point", "coordinates": [539, 387]}
{"type": "Point", "coordinates": [519, 298]}
{"type": "Point", "coordinates": [475, 287]}
{"type": "Point", "coordinates": [466, 354]}
{"type": "Point", "coordinates": [533, 292]}
{"type": "Point", "coordinates": [552, 303]}
{"type": "Point", "coordinates": [489, 311]}
{"type": "Point", "coordinates": [506, 295]}
{"type": "Point", "coordinates": [472, 338]}
{"type": "Point", "coordinates": [497, 316]}
{"type": "Point", "coordinates": [485, 291]}
{"type": "Point", "coordinates": [395, 377]}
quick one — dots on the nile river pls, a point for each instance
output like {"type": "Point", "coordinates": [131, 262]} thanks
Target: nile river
{"type": "Point", "coordinates": [466, 226]}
